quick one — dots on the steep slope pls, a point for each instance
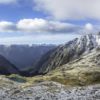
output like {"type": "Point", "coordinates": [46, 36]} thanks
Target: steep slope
{"type": "Point", "coordinates": [6, 67]}
{"type": "Point", "coordinates": [68, 52]}
{"type": "Point", "coordinates": [82, 71]}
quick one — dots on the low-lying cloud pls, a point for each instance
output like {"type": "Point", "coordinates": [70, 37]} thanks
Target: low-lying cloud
{"type": "Point", "coordinates": [38, 39]}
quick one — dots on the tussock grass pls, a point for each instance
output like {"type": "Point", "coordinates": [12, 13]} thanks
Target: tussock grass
{"type": "Point", "coordinates": [74, 76]}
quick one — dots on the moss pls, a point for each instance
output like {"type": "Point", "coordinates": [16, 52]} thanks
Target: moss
{"type": "Point", "coordinates": [17, 78]}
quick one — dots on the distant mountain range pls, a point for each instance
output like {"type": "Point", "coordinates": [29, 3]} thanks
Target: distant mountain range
{"type": "Point", "coordinates": [43, 59]}
{"type": "Point", "coordinates": [7, 67]}
{"type": "Point", "coordinates": [24, 56]}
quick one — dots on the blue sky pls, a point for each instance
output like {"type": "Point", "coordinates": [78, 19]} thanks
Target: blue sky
{"type": "Point", "coordinates": [23, 9]}
{"type": "Point", "coordinates": [47, 21]}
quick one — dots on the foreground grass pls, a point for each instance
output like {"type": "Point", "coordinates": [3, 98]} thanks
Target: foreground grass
{"type": "Point", "coordinates": [82, 71]}
{"type": "Point", "coordinates": [74, 76]}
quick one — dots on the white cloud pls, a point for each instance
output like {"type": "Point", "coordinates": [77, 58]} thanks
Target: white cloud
{"type": "Point", "coordinates": [31, 25]}
{"type": "Point", "coordinates": [7, 1]}
{"type": "Point", "coordinates": [7, 26]}
{"type": "Point", "coordinates": [70, 9]}
{"type": "Point", "coordinates": [53, 32]}
{"type": "Point", "coordinates": [89, 27]}
{"type": "Point", "coordinates": [42, 25]}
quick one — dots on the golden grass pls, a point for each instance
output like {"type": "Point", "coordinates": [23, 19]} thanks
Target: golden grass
{"type": "Point", "coordinates": [73, 76]}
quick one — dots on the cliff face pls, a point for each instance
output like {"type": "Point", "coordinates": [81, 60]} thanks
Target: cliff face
{"type": "Point", "coordinates": [65, 53]}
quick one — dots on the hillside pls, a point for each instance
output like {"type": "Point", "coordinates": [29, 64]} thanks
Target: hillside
{"type": "Point", "coordinates": [64, 54]}
{"type": "Point", "coordinates": [6, 67]}
{"type": "Point", "coordinates": [82, 71]}
{"type": "Point", "coordinates": [70, 71]}
{"type": "Point", "coordinates": [78, 79]}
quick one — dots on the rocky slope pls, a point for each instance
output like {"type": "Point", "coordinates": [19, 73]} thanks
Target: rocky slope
{"type": "Point", "coordinates": [68, 52]}
{"type": "Point", "coordinates": [11, 90]}
{"type": "Point", "coordinates": [6, 67]}
{"type": "Point", "coordinates": [82, 71]}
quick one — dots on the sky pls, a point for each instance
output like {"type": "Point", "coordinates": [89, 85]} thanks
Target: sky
{"type": "Point", "coordinates": [47, 21]}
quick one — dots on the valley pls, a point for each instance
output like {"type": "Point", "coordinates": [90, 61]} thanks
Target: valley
{"type": "Point", "coordinates": [69, 71]}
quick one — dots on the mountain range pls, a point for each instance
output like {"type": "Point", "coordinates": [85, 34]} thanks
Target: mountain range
{"type": "Point", "coordinates": [68, 71]}
{"type": "Point", "coordinates": [7, 67]}
{"type": "Point", "coordinates": [24, 56]}
{"type": "Point", "coordinates": [68, 52]}
{"type": "Point", "coordinates": [44, 59]}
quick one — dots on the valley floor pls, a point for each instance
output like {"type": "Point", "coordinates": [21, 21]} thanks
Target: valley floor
{"type": "Point", "coordinates": [48, 90]}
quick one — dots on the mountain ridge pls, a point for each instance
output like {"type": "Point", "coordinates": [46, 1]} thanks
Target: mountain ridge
{"type": "Point", "coordinates": [7, 67]}
{"type": "Point", "coordinates": [24, 56]}
{"type": "Point", "coordinates": [68, 52]}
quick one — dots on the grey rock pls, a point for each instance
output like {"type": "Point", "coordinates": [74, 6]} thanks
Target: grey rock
{"type": "Point", "coordinates": [51, 91]}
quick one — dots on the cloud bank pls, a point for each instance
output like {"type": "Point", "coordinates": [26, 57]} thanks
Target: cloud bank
{"type": "Point", "coordinates": [38, 39]}
{"type": "Point", "coordinates": [38, 26]}
{"type": "Point", "coordinates": [70, 9]}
